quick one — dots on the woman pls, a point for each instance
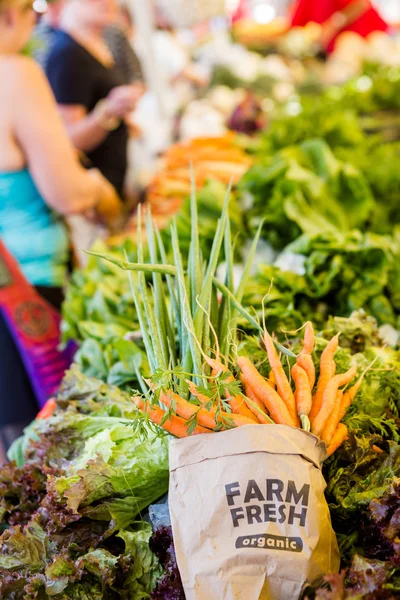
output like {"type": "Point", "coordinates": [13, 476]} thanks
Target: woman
{"type": "Point", "coordinates": [40, 176]}
{"type": "Point", "coordinates": [89, 88]}
{"type": "Point", "coordinates": [116, 37]}
{"type": "Point", "coordinates": [336, 16]}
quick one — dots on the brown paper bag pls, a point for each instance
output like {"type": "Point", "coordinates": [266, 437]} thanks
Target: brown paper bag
{"type": "Point", "coordinates": [249, 516]}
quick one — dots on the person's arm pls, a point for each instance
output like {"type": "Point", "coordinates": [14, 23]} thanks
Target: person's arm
{"type": "Point", "coordinates": [64, 184]}
{"type": "Point", "coordinates": [88, 130]}
{"type": "Point", "coordinates": [85, 130]}
{"type": "Point", "coordinates": [343, 18]}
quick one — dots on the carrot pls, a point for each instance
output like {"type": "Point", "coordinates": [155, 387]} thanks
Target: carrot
{"type": "Point", "coordinates": [334, 420]}
{"type": "Point", "coordinates": [340, 410]}
{"type": "Point", "coordinates": [195, 392]}
{"type": "Point", "coordinates": [270, 398]}
{"type": "Point", "coordinates": [48, 409]}
{"type": "Point", "coordinates": [327, 371]}
{"type": "Point", "coordinates": [306, 362]}
{"type": "Point", "coordinates": [349, 396]}
{"type": "Point", "coordinates": [259, 409]}
{"type": "Point", "coordinates": [338, 439]}
{"type": "Point", "coordinates": [217, 366]}
{"type": "Point", "coordinates": [328, 400]}
{"type": "Point", "coordinates": [302, 395]}
{"type": "Point", "coordinates": [233, 401]}
{"type": "Point", "coordinates": [236, 403]}
{"type": "Point", "coordinates": [239, 406]}
{"type": "Point", "coordinates": [174, 425]}
{"type": "Point", "coordinates": [282, 382]}
{"type": "Point", "coordinates": [309, 339]}
{"type": "Point", "coordinates": [206, 418]}
{"type": "Point", "coordinates": [377, 449]}
{"type": "Point", "coordinates": [272, 380]}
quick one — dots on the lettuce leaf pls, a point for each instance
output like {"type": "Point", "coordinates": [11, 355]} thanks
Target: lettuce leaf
{"type": "Point", "coordinates": [366, 579]}
{"type": "Point", "coordinates": [89, 472]}
{"type": "Point", "coordinates": [306, 189]}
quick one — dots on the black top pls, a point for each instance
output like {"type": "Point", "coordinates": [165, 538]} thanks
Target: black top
{"type": "Point", "coordinates": [77, 77]}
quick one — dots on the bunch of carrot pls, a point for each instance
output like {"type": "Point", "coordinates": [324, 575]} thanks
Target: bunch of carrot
{"type": "Point", "coordinates": [320, 410]}
{"type": "Point", "coordinates": [269, 400]}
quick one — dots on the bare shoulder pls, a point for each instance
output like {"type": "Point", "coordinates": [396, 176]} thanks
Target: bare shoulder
{"type": "Point", "coordinates": [22, 73]}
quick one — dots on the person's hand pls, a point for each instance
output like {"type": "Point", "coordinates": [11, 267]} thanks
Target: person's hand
{"type": "Point", "coordinates": [134, 130]}
{"type": "Point", "coordinates": [331, 28]}
{"type": "Point", "coordinates": [108, 209]}
{"type": "Point", "coordinates": [140, 88]}
{"type": "Point", "coordinates": [122, 100]}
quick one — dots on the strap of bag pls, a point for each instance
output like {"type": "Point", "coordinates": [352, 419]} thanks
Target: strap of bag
{"type": "Point", "coordinates": [34, 325]}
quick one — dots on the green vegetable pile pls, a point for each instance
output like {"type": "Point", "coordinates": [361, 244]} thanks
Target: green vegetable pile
{"type": "Point", "coordinates": [98, 313]}
{"type": "Point", "coordinates": [71, 503]}
{"type": "Point", "coordinates": [338, 275]}
{"type": "Point", "coordinates": [305, 189]}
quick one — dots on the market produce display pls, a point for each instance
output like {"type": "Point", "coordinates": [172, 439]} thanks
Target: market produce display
{"type": "Point", "coordinates": [371, 420]}
{"type": "Point", "coordinates": [309, 343]}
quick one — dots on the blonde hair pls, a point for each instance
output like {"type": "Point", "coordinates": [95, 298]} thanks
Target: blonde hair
{"type": "Point", "coordinates": [16, 3]}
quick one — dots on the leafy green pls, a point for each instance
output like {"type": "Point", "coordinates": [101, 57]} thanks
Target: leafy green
{"type": "Point", "coordinates": [366, 579]}
{"type": "Point", "coordinates": [21, 491]}
{"type": "Point", "coordinates": [89, 472]}
{"type": "Point", "coordinates": [98, 301]}
{"type": "Point", "coordinates": [33, 564]}
{"type": "Point", "coordinates": [305, 189]}
{"type": "Point", "coordinates": [339, 274]}
{"type": "Point", "coordinates": [210, 200]}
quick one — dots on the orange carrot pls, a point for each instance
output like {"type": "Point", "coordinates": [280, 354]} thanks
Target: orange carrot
{"type": "Point", "coordinates": [338, 439]}
{"type": "Point", "coordinates": [174, 425]}
{"type": "Point", "coordinates": [377, 449]}
{"type": "Point", "coordinates": [306, 362]}
{"type": "Point", "coordinates": [239, 406]}
{"type": "Point", "coordinates": [236, 403]}
{"type": "Point", "coordinates": [327, 371]}
{"type": "Point", "coordinates": [48, 409]}
{"type": "Point", "coordinates": [271, 379]}
{"type": "Point", "coordinates": [349, 396]}
{"type": "Point", "coordinates": [259, 409]}
{"type": "Point", "coordinates": [271, 399]}
{"type": "Point", "coordinates": [282, 382]}
{"type": "Point", "coordinates": [333, 421]}
{"type": "Point", "coordinates": [302, 394]}
{"type": "Point", "coordinates": [195, 392]}
{"type": "Point", "coordinates": [309, 339]}
{"type": "Point", "coordinates": [328, 400]}
{"type": "Point", "coordinates": [206, 418]}
{"type": "Point", "coordinates": [216, 365]}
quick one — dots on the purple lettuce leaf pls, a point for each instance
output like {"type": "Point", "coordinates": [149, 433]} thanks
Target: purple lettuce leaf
{"type": "Point", "coordinates": [21, 492]}
{"type": "Point", "coordinates": [169, 587]}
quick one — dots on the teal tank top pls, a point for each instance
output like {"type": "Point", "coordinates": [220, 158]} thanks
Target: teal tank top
{"type": "Point", "coordinates": [36, 237]}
